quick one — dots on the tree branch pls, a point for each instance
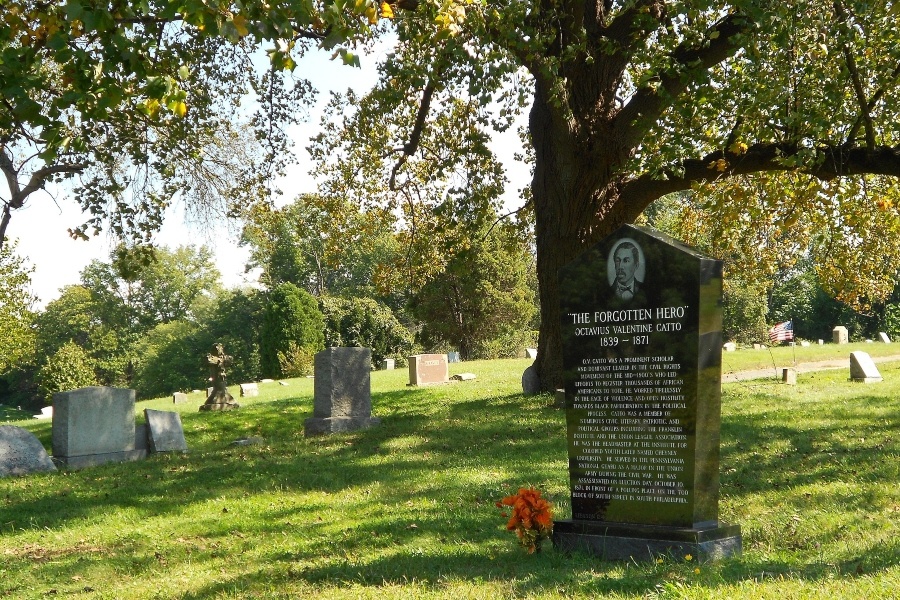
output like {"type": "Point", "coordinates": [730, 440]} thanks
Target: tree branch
{"type": "Point", "coordinates": [410, 147]}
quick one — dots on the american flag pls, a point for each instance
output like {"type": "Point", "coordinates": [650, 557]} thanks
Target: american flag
{"type": "Point", "coordinates": [783, 332]}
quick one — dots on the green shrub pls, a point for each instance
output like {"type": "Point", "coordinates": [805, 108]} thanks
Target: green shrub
{"type": "Point", "coordinates": [170, 358]}
{"type": "Point", "coordinates": [365, 323]}
{"type": "Point", "coordinates": [291, 315]}
{"type": "Point", "coordinates": [69, 368]}
{"type": "Point", "coordinates": [297, 361]}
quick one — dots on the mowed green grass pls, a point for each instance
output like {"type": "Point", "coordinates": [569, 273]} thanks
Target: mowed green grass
{"type": "Point", "coordinates": [406, 510]}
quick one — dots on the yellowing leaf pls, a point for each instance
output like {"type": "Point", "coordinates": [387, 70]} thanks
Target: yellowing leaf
{"type": "Point", "coordinates": [372, 15]}
{"type": "Point", "coordinates": [386, 11]}
{"type": "Point", "coordinates": [738, 148]}
{"type": "Point", "coordinates": [240, 24]}
{"type": "Point", "coordinates": [179, 108]}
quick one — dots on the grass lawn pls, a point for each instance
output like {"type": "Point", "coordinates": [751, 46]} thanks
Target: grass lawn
{"type": "Point", "coordinates": [406, 510]}
{"type": "Point", "coordinates": [787, 356]}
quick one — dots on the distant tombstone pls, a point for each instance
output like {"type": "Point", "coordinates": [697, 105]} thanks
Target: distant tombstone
{"type": "Point", "coordinates": [729, 346]}
{"type": "Point", "coordinates": [21, 453]}
{"type": "Point", "coordinates": [863, 369]}
{"type": "Point", "coordinates": [531, 383]}
{"type": "Point", "coordinates": [219, 398]}
{"type": "Point", "coordinates": [869, 341]}
{"type": "Point", "coordinates": [758, 346]}
{"type": "Point", "coordinates": [388, 364]}
{"type": "Point", "coordinates": [267, 381]}
{"type": "Point", "coordinates": [804, 344]}
{"type": "Point", "coordinates": [425, 369]}
{"type": "Point", "coordinates": [789, 376]}
{"type": "Point", "coordinates": [640, 321]}
{"type": "Point", "coordinates": [342, 397]}
{"type": "Point", "coordinates": [559, 398]}
{"type": "Point", "coordinates": [164, 431]}
{"type": "Point", "coordinates": [94, 425]}
{"type": "Point", "coordinates": [884, 337]}
{"type": "Point", "coordinates": [453, 357]}
{"type": "Point", "coordinates": [531, 353]}
{"type": "Point", "coordinates": [46, 413]}
{"type": "Point", "coordinates": [249, 390]}
{"type": "Point", "coordinates": [464, 377]}
{"type": "Point", "coordinates": [179, 398]}
{"type": "Point", "coordinates": [839, 335]}
{"type": "Point", "coordinates": [821, 342]}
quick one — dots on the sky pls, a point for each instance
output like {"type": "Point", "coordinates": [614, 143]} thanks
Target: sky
{"type": "Point", "coordinates": [41, 227]}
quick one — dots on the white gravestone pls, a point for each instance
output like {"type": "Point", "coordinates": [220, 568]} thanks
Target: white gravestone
{"type": "Point", "coordinates": [863, 369]}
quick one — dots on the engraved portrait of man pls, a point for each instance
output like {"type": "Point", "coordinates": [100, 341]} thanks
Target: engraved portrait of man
{"type": "Point", "coordinates": [626, 269]}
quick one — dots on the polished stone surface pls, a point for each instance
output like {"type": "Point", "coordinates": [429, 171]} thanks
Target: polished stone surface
{"type": "Point", "coordinates": [164, 431]}
{"type": "Point", "coordinates": [21, 453]}
{"type": "Point", "coordinates": [93, 420]}
{"type": "Point", "coordinates": [425, 369]}
{"type": "Point", "coordinates": [342, 391]}
{"type": "Point", "coordinates": [641, 321]}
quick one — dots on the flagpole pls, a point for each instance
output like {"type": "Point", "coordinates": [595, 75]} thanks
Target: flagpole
{"type": "Point", "coordinates": [794, 340]}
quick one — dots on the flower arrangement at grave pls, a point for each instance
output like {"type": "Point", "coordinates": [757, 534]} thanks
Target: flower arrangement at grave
{"type": "Point", "coordinates": [532, 518]}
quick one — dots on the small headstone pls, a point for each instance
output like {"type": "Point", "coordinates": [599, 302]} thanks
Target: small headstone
{"type": "Point", "coordinates": [884, 337]}
{"type": "Point", "coordinates": [531, 353]}
{"type": "Point", "coordinates": [21, 453]}
{"type": "Point", "coordinates": [531, 383]}
{"type": "Point", "coordinates": [839, 335]}
{"type": "Point", "coordinates": [198, 392]}
{"type": "Point", "coordinates": [804, 344]}
{"type": "Point", "coordinates": [46, 413]}
{"type": "Point", "coordinates": [729, 346]}
{"type": "Point", "coordinates": [821, 342]}
{"type": "Point", "coordinates": [792, 344]}
{"type": "Point", "coordinates": [267, 381]}
{"type": "Point", "coordinates": [342, 396]}
{"type": "Point", "coordinates": [209, 392]}
{"type": "Point", "coordinates": [94, 425]}
{"type": "Point", "coordinates": [164, 431]}
{"type": "Point", "coordinates": [758, 346]}
{"type": "Point", "coordinates": [179, 398]}
{"type": "Point", "coordinates": [464, 376]}
{"type": "Point", "coordinates": [425, 369]}
{"type": "Point", "coordinates": [388, 364]}
{"type": "Point", "coordinates": [789, 376]}
{"type": "Point", "coordinates": [869, 342]}
{"type": "Point", "coordinates": [249, 390]}
{"type": "Point", "coordinates": [453, 357]}
{"type": "Point", "coordinates": [250, 441]}
{"type": "Point", "coordinates": [863, 369]}
{"type": "Point", "coordinates": [283, 383]}
{"type": "Point", "coordinates": [559, 398]}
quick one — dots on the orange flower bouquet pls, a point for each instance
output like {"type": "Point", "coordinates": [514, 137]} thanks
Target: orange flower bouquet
{"type": "Point", "coordinates": [532, 518]}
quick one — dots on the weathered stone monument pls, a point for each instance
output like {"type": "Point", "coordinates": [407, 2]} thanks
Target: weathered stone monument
{"type": "Point", "coordinates": [342, 396]}
{"type": "Point", "coordinates": [839, 335]}
{"type": "Point", "coordinates": [453, 357]}
{"type": "Point", "coordinates": [249, 390]}
{"type": "Point", "coordinates": [884, 337]}
{"type": "Point", "coordinates": [218, 397]}
{"type": "Point", "coordinates": [179, 398]}
{"type": "Point", "coordinates": [94, 425]}
{"type": "Point", "coordinates": [425, 369]}
{"type": "Point", "coordinates": [21, 453]}
{"type": "Point", "coordinates": [789, 376]}
{"type": "Point", "coordinates": [388, 364]}
{"type": "Point", "coordinates": [729, 347]}
{"type": "Point", "coordinates": [863, 369]}
{"type": "Point", "coordinates": [641, 323]}
{"type": "Point", "coordinates": [164, 431]}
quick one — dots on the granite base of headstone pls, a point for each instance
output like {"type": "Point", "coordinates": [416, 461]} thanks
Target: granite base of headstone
{"type": "Point", "coordinates": [789, 376]}
{"type": "Point", "coordinates": [342, 396]}
{"type": "Point", "coordinates": [428, 369]}
{"type": "Point", "coordinates": [863, 369]}
{"type": "Point", "coordinates": [249, 390]}
{"type": "Point", "coordinates": [885, 339]}
{"type": "Point", "coordinates": [839, 335]}
{"type": "Point", "coordinates": [164, 431]}
{"type": "Point", "coordinates": [531, 383]}
{"type": "Point", "coordinates": [94, 425]}
{"type": "Point", "coordinates": [641, 328]}
{"type": "Point", "coordinates": [179, 398]}
{"type": "Point", "coordinates": [21, 453]}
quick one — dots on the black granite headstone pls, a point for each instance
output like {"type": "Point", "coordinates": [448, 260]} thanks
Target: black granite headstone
{"type": "Point", "coordinates": [641, 322]}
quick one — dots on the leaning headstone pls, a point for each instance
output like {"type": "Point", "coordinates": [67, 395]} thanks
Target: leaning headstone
{"type": "Point", "coordinates": [249, 390]}
{"type": "Point", "coordinates": [342, 396]}
{"type": "Point", "coordinates": [164, 431]}
{"type": "Point", "coordinates": [789, 376]}
{"type": "Point", "coordinates": [641, 327]}
{"type": "Point", "coordinates": [179, 398]}
{"type": "Point", "coordinates": [388, 364]}
{"type": "Point", "coordinates": [863, 369]}
{"type": "Point", "coordinates": [425, 369]}
{"type": "Point", "coordinates": [884, 337]}
{"type": "Point", "coordinates": [729, 346]}
{"type": "Point", "coordinates": [21, 453]}
{"type": "Point", "coordinates": [531, 383]}
{"type": "Point", "coordinates": [839, 335]}
{"type": "Point", "coordinates": [453, 357]}
{"type": "Point", "coordinates": [531, 353]}
{"type": "Point", "coordinates": [94, 425]}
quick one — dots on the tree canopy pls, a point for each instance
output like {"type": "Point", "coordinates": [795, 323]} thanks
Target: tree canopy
{"type": "Point", "coordinates": [639, 99]}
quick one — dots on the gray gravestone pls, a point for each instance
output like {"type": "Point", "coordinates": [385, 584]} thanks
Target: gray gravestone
{"type": "Point", "coordinates": [164, 431]}
{"type": "Point", "coordinates": [21, 453]}
{"type": "Point", "coordinates": [531, 383]}
{"type": "Point", "coordinates": [863, 369]}
{"type": "Point", "coordinates": [884, 337]}
{"type": "Point", "coordinates": [641, 320]}
{"type": "Point", "coordinates": [425, 369]}
{"type": "Point", "coordinates": [839, 335]}
{"type": "Point", "coordinates": [789, 376]}
{"type": "Point", "coordinates": [179, 398]}
{"type": "Point", "coordinates": [453, 357]}
{"type": "Point", "coordinates": [342, 398]}
{"type": "Point", "coordinates": [729, 346]}
{"type": "Point", "coordinates": [249, 390]}
{"type": "Point", "coordinates": [388, 364]}
{"type": "Point", "coordinates": [94, 425]}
